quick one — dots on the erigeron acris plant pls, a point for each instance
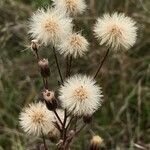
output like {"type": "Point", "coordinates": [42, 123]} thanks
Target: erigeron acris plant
{"type": "Point", "coordinates": [79, 95]}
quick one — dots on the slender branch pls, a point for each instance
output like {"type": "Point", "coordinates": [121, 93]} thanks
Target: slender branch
{"type": "Point", "coordinates": [69, 123]}
{"type": "Point", "coordinates": [44, 142]}
{"type": "Point", "coordinates": [57, 126]}
{"type": "Point", "coordinates": [58, 67]}
{"type": "Point", "coordinates": [67, 65]}
{"type": "Point", "coordinates": [70, 63]}
{"type": "Point", "coordinates": [37, 55]}
{"type": "Point", "coordinates": [78, 131]}
{"type": "Point", "coordinates": [101, 63]}
{"type": "Point", "coordinates": [64, 124]}
{"type": "Point", "coordinates": [75, 124]}
{"type": "Point", "coordinates": [46, 83]}
{"type": "Point", "coordinates": [57, 117]}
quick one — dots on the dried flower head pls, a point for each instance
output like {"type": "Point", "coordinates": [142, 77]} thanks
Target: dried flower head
{"type": "Point", "coordinates": [74, 44]}
{"type": "Point", "coordinates": [36, 118]}
{"type": "Point", "coordinates": [72, 7]}
{"type": "Point", "coordinates": [49, 26]}
{"type": "Point", "coordinates": [43, 63]}
{"type": "Point", "coordinates": [96, 141]}
{"type": "Point", "coordinates": [44, 66]}
{"type": "Point", "coordinates": [50, 100]}
{"type": "Point", "coordinates": [116, 31]}
{"type": "Point", "coordinates": [48, 95]}
{"type": "Point", "coordinates": [80, 95]}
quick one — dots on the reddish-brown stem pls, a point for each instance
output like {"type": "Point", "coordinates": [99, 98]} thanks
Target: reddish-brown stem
{"type": "Point", "coordinates": [75, 124]}
{"type": "Point", "coordinates": [70, 63]}
{"type": "Point", "coordinates": [64, 124]}
{"type": "Point", "coordinates": [57, 126]}
{"type": "Point", "coordinates": [46, 83]}
{"type": "Point", "coordinates": [57, 63]}
{"type": "Point", "coordinates": [57, 116]}
{"type": "Point", "coordinates": [101, 63]}
{"type": "Point", "coordinates": [69, 123]}
{"type": "Point", "coordinates": [67, 65]}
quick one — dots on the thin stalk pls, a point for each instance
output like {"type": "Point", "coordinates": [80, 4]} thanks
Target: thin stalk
{"type": "Point", "coordinates": [37, 55]}
{"type": "Point", "coordinates": [69, 123]}
{"type": "Point", "coordinates": [46, 83]}
{"type": "Point", "coordinates": [101, 63]}
{"type": "Point", "coordinates": [57, 126]}
{"type": "Point", "coordinates": [70, 63]}
{"type": "Point", "coordinates": [67, 65]}
{"type": "Point", "coordinates": [44, 142]}
{"type": "Point", "coordinates": [64, 124]}
{"type": "Point", "coordinates": [57, 117]}
{"type": "Point", "coordinates": [75, 124]}
{"type": "Point", "coordinates": [57, 63]}
{"type": "Point", "coordinates": [77, 132]}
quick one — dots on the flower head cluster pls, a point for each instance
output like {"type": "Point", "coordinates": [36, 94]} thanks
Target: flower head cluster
{"type": "Point", "coordinates": [72, 7]}
{"type": "Point", "coordinates": [80, 95]}
{"type": "Point", "coordinates": [116, 31]}
{"type": "Point", "coordinates": [49, 26]}
{"type": "Point", "coordinates": [36, 119]}
{"type": "Point", "coordinates": [74, 44]}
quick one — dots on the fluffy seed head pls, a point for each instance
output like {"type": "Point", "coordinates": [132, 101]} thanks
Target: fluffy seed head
{"type": "Point", "coordinates": [75, 45]}
{"type": "Point", "coordinates": [80, 95]}
{"type": "Point", "coordinates": [116, 31]}
{"type": "Point", "coordinates": [72, 7]}
{"type": "Point", "coordinates": [49, 26]}
{"type": "Point", "coordinates": [36, 118]}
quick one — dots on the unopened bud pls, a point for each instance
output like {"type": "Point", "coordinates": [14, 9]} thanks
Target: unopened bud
{"type": "Point", "coordinates": [44, 65]}
{"type": "Point", "coordinates": [50, 100]}
{"type": "Point", "coordinates": [87, 119]}
{"type": "Point", "coordinates": [35, 45]}
{"type": "Point", "coordinates": [96, 141]}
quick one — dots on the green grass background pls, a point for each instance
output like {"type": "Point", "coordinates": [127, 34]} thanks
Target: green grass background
{"type": "Point", "coordinates": [123, 121]}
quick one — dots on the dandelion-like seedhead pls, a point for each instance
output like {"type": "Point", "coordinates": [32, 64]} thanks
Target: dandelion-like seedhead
{"type": "Point", "coordinates": [80, 95]}
{"type": "Point", "coordinates": [116, 31]}
{"type": "Point", "coordinates": [74, 44]}
{"type": "Point", "coordinates": [36, 118]}
{"type": "Point", "coordinates": [50, 26]}
{"type": "Point", "coordinates": [72, 7]}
